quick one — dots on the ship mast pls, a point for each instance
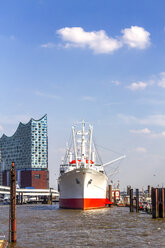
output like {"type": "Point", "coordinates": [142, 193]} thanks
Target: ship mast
{"type": "Point", "coordinates": [83, 145]}
{"type": "Point", "coordinates": [90, 144]}
{"type": "Point", "coordinates": [75, 146]}
{"type": "Point", "coordinates": [82, 154]}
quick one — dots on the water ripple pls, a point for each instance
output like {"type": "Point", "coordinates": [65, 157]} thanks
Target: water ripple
{"type": "Point", "coordinates": [51, 227]}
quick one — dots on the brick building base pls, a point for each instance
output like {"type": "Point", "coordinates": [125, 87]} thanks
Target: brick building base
{"type": "Point", "coordinates": [30, 178]}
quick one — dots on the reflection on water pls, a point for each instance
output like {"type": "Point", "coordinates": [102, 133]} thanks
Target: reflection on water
{"type": "Point", "coordinates": [49, 226]}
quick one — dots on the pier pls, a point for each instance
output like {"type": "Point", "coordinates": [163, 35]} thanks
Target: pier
{"type": "Point", "coordinates": [151, 201]}
{"type": "Point", "coordinates": [158, 203]}
{"type": "Point", "coordinates": [31, 195]}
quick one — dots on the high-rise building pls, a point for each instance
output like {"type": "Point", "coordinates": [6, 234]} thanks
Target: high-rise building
{"type": "Point", "coordinates": [28, 149]}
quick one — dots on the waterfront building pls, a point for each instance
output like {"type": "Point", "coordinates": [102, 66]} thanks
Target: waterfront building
{"type": "Point", "coordinates": [115, 195]}
{"type": "Point", "coordinates": [28, 149]}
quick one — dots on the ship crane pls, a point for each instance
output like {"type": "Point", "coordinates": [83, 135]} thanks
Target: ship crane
{"type": "Point", "coordinates": [113, 161]}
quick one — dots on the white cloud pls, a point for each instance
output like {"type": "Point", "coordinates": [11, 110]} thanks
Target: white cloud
{"type": "Point", "coordinates": [140, 85]}
{"type": "Point", "coordinates": [141, 149]}
{"type": "Point", "coordinates": [137, 86]}
{"type": "Point", "coordinates": [155, 120]}
{"type": "Point", "coordinates": [48, 45]}
{"type": "Point", "coordinates": [1, 127]}
{"type": "Point", "coordinates": [158, 135]}
{"type": "Point", "coordinates": [149, 133]}
{"type": "Point", "coordinates": [88, 98]}
{"type": "Point", "coordinates": [116, 82]}
{"type": "Point", "coordinates": [128, 119]}
{"type": "Point", "coordinates": [161, 82]}
{"type": "Point", "coordinates": [98, 41]}
{"type": "Point", "coordinates": [136, 37]}
{"type": "Point", "coordinates": [51, 96]}
{"type": "Point", "coordinates": [141, 131]}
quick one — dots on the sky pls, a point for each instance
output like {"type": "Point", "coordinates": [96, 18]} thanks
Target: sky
{"type": "Point", "coordinates": [101, 61]}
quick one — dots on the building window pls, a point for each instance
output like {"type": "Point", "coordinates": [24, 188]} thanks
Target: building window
{"type": "Point", "coordinates": [37, 176]}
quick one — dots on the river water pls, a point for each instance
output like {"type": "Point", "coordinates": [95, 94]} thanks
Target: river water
{"type": "Point", "coordinates": [48, 226]}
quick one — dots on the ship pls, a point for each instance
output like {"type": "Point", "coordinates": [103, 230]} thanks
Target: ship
{"type": "Point", "coordinates": [82, 183]}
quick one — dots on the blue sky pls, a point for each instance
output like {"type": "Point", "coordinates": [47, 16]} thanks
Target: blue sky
{"type": "Point", "coordinates": [101, 61]}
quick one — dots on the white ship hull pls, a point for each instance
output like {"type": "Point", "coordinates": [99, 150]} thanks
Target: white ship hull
{"type": "Point", "coordinates": [82, 188]}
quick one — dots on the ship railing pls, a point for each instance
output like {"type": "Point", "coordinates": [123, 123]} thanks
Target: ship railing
{"type": "Point", "coordinates": [66, 165]}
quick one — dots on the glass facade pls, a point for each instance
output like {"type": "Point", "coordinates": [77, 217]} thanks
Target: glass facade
{"type": "Point", "coordinates": [39, 143]}
{"type": "Point", "coordinates": [28, 147]}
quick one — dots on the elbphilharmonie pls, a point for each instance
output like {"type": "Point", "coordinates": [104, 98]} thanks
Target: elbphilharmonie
{"type": "Point", "coordinates": [28, 149]}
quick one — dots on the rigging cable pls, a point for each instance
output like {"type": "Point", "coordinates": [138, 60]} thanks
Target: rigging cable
{"type": "Point", "coordinates": [99, 157]}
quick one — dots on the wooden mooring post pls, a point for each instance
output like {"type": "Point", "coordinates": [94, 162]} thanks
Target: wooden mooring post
{"type": "Point", "coordinates": [110, 194]}
{"type": "Point", "coordinates": [161, 202]}
{"type": "Point", "coordinates": [50, 197]}
{"type": "Point", "coordinates": [149, 191]}
{"type": "Point", "coordinates": [12, 209]}
{"type": "Point", "coordinates": [131, 200]}
{"type": "Point", "coordinates": [137, 200]}
{"type": "Point", "coordinates": [158, 203]}
{"type": "Point", "coordinates": [21, 199]}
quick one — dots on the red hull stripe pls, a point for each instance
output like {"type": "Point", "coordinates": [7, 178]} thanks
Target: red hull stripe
{"type": "Point", "coordinates": [81, 203]}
